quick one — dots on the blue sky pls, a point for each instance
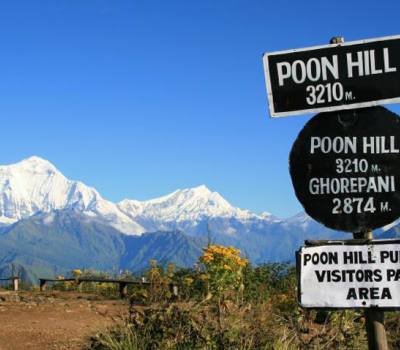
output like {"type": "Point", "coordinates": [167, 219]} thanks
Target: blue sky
{"type": "Point", "coordinates": [139, 98]}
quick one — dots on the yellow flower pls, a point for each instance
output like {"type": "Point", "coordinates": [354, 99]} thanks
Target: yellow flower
{"type": "Point", "coordinates": [242, 262]}
{"type": "Point", "coordinates": [206, 258]}
{"type": "Point", "coordinates": [188, 281]}
{"type": "Point", "coordinates": [203, 277]}
{"type": "Point", "coordinates": [76, 272]}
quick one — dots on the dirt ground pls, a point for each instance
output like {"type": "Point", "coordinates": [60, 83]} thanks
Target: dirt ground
{"type": "Point", "coordinates": [54, 320]}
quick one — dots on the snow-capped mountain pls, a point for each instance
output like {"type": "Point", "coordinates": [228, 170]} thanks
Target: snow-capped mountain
{"type": "Point", "coordinates": [300, 220]}
{"type": "Point", "coordinates": [35, 185]}
{"type": "Point", "coordinates": [194, 211]}
{"type": "Point", "coordinates": [58, 223]}
{"type": "Point", "coordinates": [52, 224]}
{"type": "Point", "coordinates": [188, 204]}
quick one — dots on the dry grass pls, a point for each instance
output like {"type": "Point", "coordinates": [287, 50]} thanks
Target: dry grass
{"type": "Point", "coordinates": [192, 325]}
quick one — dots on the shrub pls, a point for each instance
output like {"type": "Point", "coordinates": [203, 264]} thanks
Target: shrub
{"type": "Point", "coordinates": [223, 269]}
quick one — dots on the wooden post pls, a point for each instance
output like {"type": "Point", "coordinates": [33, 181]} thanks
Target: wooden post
{"type": "Point", "coordinates": [42, 284]}
{"type": "Point", "coordinates": [375, 325]}
{"type": "Point", "coordinates": [123, 289]}
{"type": "Point", "coordinates": [374, 318]}
{"type": "Point", "coordinates": [173, 288]}
{"type": "Point", "coordinates": [15, 281]}
{"type": "Point", "coordinates": [79, 285]}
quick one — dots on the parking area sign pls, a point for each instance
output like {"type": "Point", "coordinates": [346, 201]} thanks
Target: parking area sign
{"type": "Point", "coordinates": [350, 275]}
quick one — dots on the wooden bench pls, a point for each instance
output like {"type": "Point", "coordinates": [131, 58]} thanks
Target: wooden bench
{"type": "Point", "coordinates": [123, 284]}
{"type": "Point", "coordinates": [14, 282]}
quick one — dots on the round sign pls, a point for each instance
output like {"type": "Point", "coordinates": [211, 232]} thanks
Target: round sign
{"type": "Point", "coordinates": [345, 168]}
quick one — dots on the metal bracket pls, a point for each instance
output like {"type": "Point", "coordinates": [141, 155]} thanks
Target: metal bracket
{"type": "Point", "coordinates": [349, 119]}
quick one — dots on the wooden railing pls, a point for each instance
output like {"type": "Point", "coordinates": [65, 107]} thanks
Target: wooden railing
{"type": "Point", "coordinates": [123, 284]}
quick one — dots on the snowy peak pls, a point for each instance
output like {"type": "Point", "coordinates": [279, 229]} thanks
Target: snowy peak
{"type": "Point", "coordinates": [29, 170]}
{"type": "Point", "coordinates": [183, 205]}
{"type": "Point", "coordinates": [267, 216]}
{"type": "Point", "coordinates": [30, 186]}
{"type": "Point", "coordinates": [33, 164]}
{"type": "Point", "coordinates": [301, 220]}
{"type": "Point", "coordinates": [35, 185]}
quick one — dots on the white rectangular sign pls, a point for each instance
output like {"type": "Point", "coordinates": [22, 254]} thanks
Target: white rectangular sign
{"type": "Point", "coordinates": [350, 276]}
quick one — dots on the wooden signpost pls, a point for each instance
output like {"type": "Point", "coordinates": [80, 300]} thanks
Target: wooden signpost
{"type": "Point", "coordinates": [345, 169]}
{"type": "Point", "coordinates": [333, 77]}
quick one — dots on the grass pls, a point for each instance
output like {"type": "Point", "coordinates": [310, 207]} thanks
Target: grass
{"type": "Point", "coordinates": [260, 312]}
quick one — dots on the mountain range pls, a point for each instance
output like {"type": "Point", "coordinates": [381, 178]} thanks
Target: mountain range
{"type": "Point", "coordinates": [50, 225]}
{"type": "Point", "coordinates": [34, 185]}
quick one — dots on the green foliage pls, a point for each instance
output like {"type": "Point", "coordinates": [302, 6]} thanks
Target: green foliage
{"type": "Point", "coordinates": [264, 281]}
{"type": "Point", "coordinates": [223, 269]}
{"type": "Point", "coordinates": [192, 284]}
{"type": "Point", "coordinates": [392, 325]}
{"type": "Point", "coordinates": [160, 279]}
{"type": "Point", "coordinates": [266, 317]}
{"type": "Point", "coordinates": [121, 339]}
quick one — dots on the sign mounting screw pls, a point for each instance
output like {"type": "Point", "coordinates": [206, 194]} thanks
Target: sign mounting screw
{"type": "Point", "coordinates": [337, 40]}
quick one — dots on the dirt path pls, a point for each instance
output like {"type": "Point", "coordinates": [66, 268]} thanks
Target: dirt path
{"type": "Point", "coordinates": [54, 320]}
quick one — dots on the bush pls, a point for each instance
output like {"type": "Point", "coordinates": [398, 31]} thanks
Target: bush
{"type": "Point", "coordinates": [239, 307]}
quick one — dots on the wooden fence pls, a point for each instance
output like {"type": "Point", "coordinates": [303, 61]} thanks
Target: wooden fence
{"type": "Point", "coordinates": [14, 282]}
{"type": "Point", "coordinates": [123, 284]}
